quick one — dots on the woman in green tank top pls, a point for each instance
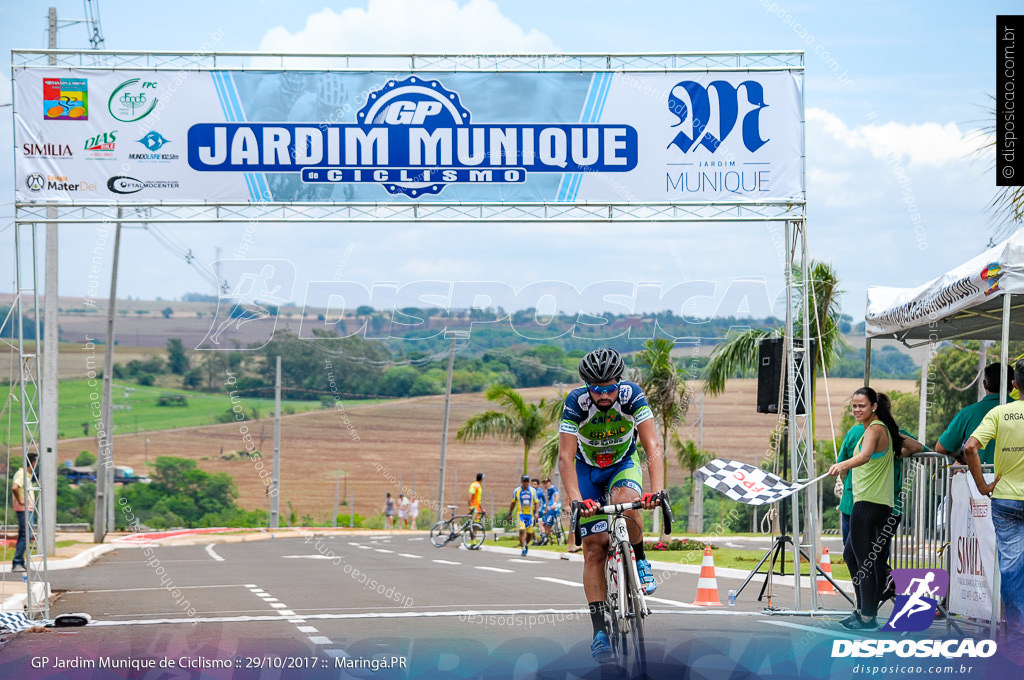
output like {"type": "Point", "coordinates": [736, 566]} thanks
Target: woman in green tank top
{"type": "Point", "coordinates": [871, 522]}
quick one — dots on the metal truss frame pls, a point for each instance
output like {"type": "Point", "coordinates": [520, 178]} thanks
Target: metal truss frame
{"type": "Point", "coordinates": [792, 213]}
{"type": "Point", "coordinates": [406, 211]}
{"type": "Point", "coordinates": [204, 59]}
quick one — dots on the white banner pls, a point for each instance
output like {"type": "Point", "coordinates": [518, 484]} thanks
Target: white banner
{"type": "Point", "coordinates": [973, 550]}
{"type": "Point", "coordinates": [227, 136]}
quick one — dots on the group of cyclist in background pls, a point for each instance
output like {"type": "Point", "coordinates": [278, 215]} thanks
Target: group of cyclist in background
{"type": "Point", "coordinates": [534, 505]}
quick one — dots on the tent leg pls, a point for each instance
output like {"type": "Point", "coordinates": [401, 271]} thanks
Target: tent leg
{"type": "Point", "coordinates": [867, 363]}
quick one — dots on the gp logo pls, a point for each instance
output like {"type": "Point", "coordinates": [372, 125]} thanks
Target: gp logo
{"type": "Point", "coordinates": [710, 114]}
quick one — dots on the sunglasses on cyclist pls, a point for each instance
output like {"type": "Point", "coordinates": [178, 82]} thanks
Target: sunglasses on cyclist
{"type": "Point", "coordinates": [603, 389]}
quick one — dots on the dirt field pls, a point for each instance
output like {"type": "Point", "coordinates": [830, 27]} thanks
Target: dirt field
{"type": "Point", "coordinates": [396, 447]}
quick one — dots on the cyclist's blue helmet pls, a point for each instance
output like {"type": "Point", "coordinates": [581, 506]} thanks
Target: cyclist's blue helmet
{"type": "Point", "coordinates": [601, 365]}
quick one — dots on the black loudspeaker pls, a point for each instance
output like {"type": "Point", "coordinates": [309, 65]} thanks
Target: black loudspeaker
{"type": "Point", "coordinates": [770, 373]}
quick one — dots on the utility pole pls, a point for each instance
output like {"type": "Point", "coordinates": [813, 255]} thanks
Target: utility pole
{"type": "Point", "coordinates": [275, 486]}
{"type": "Point", "coordinates": [337, 489]}
{"type": "Point", "coordinates": [47, 472]}
{"type": "Point", "coordinates": [105, 436]}
{"type": "Point", "coordinates": [444, 427]}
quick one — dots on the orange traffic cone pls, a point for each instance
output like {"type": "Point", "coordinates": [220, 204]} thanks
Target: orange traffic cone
{"type": "Point", "coordinates": [707, 585]}
{"type": "Point", "coordinates": [824, 585]}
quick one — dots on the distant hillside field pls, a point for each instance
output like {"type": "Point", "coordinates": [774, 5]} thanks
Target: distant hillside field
{"type": "Point", "coordinates": [395, 447]}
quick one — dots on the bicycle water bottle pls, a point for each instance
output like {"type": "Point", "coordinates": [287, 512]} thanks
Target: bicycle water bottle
{"type": "Point", "coordinates": [732, 598]}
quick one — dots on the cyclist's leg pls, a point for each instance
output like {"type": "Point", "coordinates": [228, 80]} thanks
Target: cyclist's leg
{"type": "Point", "coordinates": [627, 486]}
{"type": "Point", "coordinates": [594, 545]}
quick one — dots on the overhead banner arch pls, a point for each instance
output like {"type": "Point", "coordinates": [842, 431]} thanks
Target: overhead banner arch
{"type": "Point", "coordinates": [638, 131]}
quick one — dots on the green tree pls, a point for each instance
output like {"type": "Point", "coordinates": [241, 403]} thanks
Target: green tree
{"type": "Point", "coordinates": [85, 459]}
{"type": "Point", "coordinates": [177, 360]}
{"type": "Point", "coordinates": [517, 421]}
{"type": "Point", "coordinates": [691, 458]}
{"type": "Point", "coordinates": [168, 312]}
{"type": "Point", "coordinates": [665, 390]}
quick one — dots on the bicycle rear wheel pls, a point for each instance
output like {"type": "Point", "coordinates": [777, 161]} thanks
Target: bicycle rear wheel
{"type": "Point", "coordinates": [441, 533]}
{"type": "Point", "coordinates": [635, 657]}
{"type": "Point", "coordinates": [473, 536]}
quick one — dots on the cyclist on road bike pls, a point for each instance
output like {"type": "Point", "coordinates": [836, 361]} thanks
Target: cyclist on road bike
{"type": "Point", "coordinates": [525, 497]}
{"type": "Point", "coordinates": [553, 505]}
{"type": "Point", "coordinates": [599, 463]}
{"type": "Point", "coordinates": [476, 496]}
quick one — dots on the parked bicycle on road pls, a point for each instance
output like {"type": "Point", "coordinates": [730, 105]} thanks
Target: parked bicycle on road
{"type": "Point", "coordinates": [471, 531]}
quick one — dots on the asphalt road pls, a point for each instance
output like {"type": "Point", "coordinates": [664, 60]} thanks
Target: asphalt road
{"type": "Point", "coordinates": [392, 607]}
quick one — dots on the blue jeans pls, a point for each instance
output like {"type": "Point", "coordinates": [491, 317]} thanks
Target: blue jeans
{"type": "Point", "coordinates": [24, 531]}
{"type": "Point", "coordinates": [1008, 518]}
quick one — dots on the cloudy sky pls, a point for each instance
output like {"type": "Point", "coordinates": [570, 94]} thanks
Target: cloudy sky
{"type": "Point", "coordinates": [895, 94]}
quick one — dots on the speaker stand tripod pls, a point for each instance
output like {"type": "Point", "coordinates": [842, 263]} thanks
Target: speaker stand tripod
{"type": "Point", "coordinates": [777, 553]}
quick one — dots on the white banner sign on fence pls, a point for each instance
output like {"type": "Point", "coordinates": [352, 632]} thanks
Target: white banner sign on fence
{"type": "Point", "coordinates": [973, 550]}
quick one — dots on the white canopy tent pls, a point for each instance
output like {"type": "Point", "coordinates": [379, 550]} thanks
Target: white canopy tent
{"type": "Point", "coordinates": [973, 301]}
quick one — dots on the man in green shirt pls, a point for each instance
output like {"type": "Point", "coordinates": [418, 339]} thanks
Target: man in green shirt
{"type": "Point", "coordinates": [969, 417]}
{"type": "Point", "coordinates": [1005, 425]}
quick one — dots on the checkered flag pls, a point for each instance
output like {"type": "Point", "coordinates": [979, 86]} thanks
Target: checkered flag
{"type": "Point", "coordinates": [746, 483]}
{"type": "Point", "coordinates": [15, 622]}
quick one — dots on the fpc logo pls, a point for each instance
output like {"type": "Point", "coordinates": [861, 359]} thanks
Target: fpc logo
{"type": "Point", "coordinates": [919, 593]}
{"type": "Point", "coordinates": [132, 100]}
{"type": "Point", "coordinates": [692, 103]}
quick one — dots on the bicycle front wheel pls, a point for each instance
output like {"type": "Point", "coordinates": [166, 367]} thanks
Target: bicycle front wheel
{"type": "Point", "coordinates": [473, 536]}
{"type": "Point", "coordinates": [633, 608]}
{"type": "Point", "coordinates": [440, 533]}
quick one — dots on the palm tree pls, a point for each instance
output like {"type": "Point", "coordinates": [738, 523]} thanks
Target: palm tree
{"type": "Point", "coordinates": [665, 390]}
{"type": "Point", "coordinates": [518, 420]}
{"type": "Point", "coordinates": [739, 354]}
{"type": "Point", "coordinates": [691, 458]}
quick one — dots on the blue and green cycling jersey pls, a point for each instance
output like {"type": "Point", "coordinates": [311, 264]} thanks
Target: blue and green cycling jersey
{"type": "Point", "coordinates": [605, 437]}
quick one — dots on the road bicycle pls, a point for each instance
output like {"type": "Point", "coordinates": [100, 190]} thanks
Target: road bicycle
{"type": "Point", "coordinates": [626, 603]}
{"type": "Point", "coordinates": [557, 535]}
{"type": "Point", "coordinates": [471, 530]}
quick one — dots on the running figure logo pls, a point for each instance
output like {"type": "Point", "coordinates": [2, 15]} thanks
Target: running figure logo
{"type": "Point", "coordinates": [921, 590]}
{"type": "Point", "coordinates": [261, 286]}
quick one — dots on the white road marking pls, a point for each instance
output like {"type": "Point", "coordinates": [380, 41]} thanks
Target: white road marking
{"type": "Point", "coordinates": [320, 640]}
{"type": "Point", "coordinates": [815, 629]}
{"type": "Point", "coordinates": [415, 557]}
{"type": "Point", "coordinates": [308, 629]}
{"type": "Point", "coordinates": [383, 550]}
{"type": "Point", "coordinates": [364, 547]}
{"type": "Point", "coordinates": [497, 569]}
{"type": "Point", "coordinates": [522, 561]}
{"type": "Point", "coordinates": [306, 557]}
{"type": "Point", "coordinates": [132, 590]}
{"type": "Point", "coordinates": [251, 585]}
{"type": "Point", "coordinates": [209, 549]}
{"type": "Point", "coordinates": [286, 612]}
{"type": "Point", "coordinates": [278, 605]}
{"type": "Point", "coordinates": [341, 617]}
{"type": "Point", "coordinates": [675, 603]}
{"type": "Point", "coordinates": [445, 562]}
{"type": "Point", "coordinates": [420, 538]}
{"type": "Point", "coordinates": [558, 580]}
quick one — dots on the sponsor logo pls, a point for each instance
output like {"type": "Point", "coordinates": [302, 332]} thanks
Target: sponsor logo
{"type": "Point", "coordinates": [413, 137]}
{"type": "Point", "coordinates": [947, 649]}
{"type": "Point", "coordinates": [598, 527]}
{"type": "Point", "coordinates": [918, 593]}
{"type": "Point", "coordinates": [153, 141]}
{"type": "Point", "coordinates": [65, 99]}
{"type": "Point", "coordinates": [991, 275]}
{"type": "Point", "coordinates": [132, 100]}
{"type": "Point", "coordinates": [122, 184]}
{"type": "Point", "coordinates": [101, 146]}
{"type": "Point", "coordinates": [701, 114]}
{"type": "Point", "coordinates": [34, 150]}
{"type": "Point", "coordinates": [37, 182]}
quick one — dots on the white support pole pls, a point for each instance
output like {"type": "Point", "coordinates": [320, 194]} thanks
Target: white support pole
{"type": "Point", "coordinates": [790, 403]}
{"type": "Point", "coordinates": [105, 436]}
{"type": "Point", "coordinates": [275, 487]}
{"type": "Point", "coordinates": [1004, 350]}
{"type": "Point", "coordinates": [922, 411]}
{"type": "Point", "coordinates": [444, 426]}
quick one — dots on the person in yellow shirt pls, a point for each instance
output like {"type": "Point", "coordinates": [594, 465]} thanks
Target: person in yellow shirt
{"type": "Point", "coordinates": [1005, 424]}
{"type": "Point", "coordinates": [24, 505]}
{"type": "Point", "coordinates": [476, 496]}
